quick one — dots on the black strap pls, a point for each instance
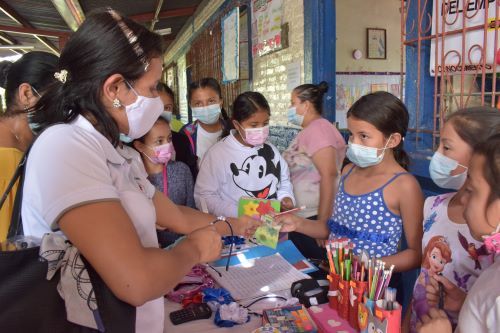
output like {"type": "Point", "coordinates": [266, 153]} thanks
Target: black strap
{"type": "Point", "coordinates": [16, 226]}
{"type": "Point", "coordinates": [17, 173]}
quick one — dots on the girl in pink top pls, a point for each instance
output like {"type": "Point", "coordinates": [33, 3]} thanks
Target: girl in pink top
{"type": "Point", "coordinates": [314, 159]}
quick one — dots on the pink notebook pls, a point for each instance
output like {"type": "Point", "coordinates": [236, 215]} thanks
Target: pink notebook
{"type": "Point", "coordinates": [328, 320]}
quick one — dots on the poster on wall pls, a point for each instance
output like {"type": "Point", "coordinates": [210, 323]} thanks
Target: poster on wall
{"type": "Point", "coordinates": [452, 13]}
{"type": "Point", "coordinates": [230, 46]}
{"type": "Point", "coordinates": [266, 26]}
{"type": "Point", "coordinates": [350, 87]}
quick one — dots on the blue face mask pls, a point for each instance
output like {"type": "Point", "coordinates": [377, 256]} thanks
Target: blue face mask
{"type": "Point", "coordinates": [294, 118]}
{"type": "Point", "coordinates": [440, 170]}
{"type": "Point", "coordinates": [125, 138]}
{"type": "Point", "coordinates": [167, 116]}
{"type": "Point", "coordinates": [207, 114]}
{"type": "Point", "coordinates": [364, 156]}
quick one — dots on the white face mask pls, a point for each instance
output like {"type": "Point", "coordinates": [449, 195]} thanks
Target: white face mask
{"type": "Point", "coordinates": [142, 114]}
{"type": "Point", "coordinates": [364, 156]}
{"type": "Point", "coordinates": [440, 170]}
{"type": "Point", "coordinates": [207, 114]}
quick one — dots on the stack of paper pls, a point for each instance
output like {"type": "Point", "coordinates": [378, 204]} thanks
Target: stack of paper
{"type": "Point", "coordinates": [258, 277]}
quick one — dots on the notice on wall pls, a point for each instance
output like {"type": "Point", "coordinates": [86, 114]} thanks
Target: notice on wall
{"type": "Point", "coordinates": [293, 75]}
{"type": "Point", "coordinates": [231, 46]}
{"type": "Point", "coordinates": [266, 26]}
{"type": "Point", "coordinates": [451, 14]}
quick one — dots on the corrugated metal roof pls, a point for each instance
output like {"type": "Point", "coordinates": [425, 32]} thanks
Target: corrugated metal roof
{"type": "Point", "coordinates": [42, 14]}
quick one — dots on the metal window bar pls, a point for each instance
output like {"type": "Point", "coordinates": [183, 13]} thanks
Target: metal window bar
{"type": "Point", "coordinates": [447, 96]}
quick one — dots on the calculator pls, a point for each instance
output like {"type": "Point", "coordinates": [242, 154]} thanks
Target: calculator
{"type": "Point", "coordinates": [192, 312]}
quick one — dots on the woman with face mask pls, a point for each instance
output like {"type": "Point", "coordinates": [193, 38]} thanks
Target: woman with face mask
{"type": "Point", "coordinates": [243, 164]}
{"type": "Point", "coordinates": [170, 177]}
{"type": "Point", "coordinates": [23, 81]}
{"type": "Point", "coordinates": [80, 183]}
{"type": "Point", "coordinates": [315, 158]}
{"type": "Point", "coordinates": [443, 214]}
{"type": "Point", "coordinates": [205, 101]}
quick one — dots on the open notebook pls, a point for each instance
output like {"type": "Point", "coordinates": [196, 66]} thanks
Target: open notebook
{"type": "Point", "coordinates": [258, 277]}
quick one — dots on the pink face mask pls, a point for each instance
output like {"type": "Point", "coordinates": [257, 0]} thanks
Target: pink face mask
{"type": "Point", "coordinates": [256, 136]}
{"type": "Point", "coordinates": [163, 153]}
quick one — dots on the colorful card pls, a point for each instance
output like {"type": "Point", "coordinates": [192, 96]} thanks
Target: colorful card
{"type": "Point", "coordinates": [263, 209]}
{"type": "Point", "coordinates": [255, 208]}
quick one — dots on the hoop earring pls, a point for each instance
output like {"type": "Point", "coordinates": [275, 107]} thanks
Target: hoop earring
{"type": "Point", "coordinates": [116, 103]}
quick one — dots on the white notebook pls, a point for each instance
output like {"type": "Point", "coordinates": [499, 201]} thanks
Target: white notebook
{"type": "Point", "coordinates": [258, 277]}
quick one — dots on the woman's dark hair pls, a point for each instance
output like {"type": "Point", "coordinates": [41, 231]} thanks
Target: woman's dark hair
{"type": "Point", "coordinates": [207, 82]}
{"type": "Point", "coordinates": [35, 68]}
{"type": "Point", "coordinates": [166, 89]}
{"type": "Point", "coordinates": [247, 103]}
{"type": "Point", "coordinates": [312, 93]}
{"type": "Point", "coordinates": [388, 114]}
{"type": "Point", "coordinates": [97, 50]}
{"type": "Point", "coordinates": [490, 149]}
{"type": "Point", "coordinates": [475, 125]}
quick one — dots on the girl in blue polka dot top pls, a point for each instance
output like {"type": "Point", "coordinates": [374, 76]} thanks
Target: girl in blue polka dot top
{"type": "Point", "coordinates": [377, 199]}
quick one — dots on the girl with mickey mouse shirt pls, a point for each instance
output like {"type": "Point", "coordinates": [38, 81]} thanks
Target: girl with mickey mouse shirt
{"type": "Point", "coordinates": [242, 164]}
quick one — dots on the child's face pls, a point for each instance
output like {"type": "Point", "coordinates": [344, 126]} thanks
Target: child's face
{"type": "Point", "coordinates": [452, 146]}
{"type": "Point", "coordinates": [436, 260]}
{"type": "Point", "coordinates": [481, 217]}
{"type": "Point", "coordinates": [204, 97]}
{"type": "Point", "coordinates": [256, 120]}
{"type": "Point", "coordinates": [168, 103]}
{"type": "Point", "coordinates": [159, 134]}
{"type": "Point", "coordinates": [364, 133]}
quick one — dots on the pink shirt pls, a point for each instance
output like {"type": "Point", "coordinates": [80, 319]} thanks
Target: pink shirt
{"type": "Point", "coordinates": [305, 177]}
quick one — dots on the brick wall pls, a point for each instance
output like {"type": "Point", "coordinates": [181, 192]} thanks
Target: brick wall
{"type": "Point", "coordinates": [269, 71]}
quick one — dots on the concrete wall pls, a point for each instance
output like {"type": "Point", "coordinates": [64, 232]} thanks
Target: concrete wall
{"type": "Point", "coordinates": [269, 71]}
{"type": "Point", "coordinates": [353, 17]}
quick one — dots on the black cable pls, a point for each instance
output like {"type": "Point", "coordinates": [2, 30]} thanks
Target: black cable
{"type": "Point", "coordinates": [262, 298]}
{"type": "Point", "coordinates": [232, 235]}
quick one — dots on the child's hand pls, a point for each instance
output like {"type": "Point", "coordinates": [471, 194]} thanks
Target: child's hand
{"type": "Point", "coordinates": [454, 297]}
{"type": "Point", "coordinates": [435, 321]}
{"type": "Point", "coordinates": [286, 204]}
{"type": "Point", "coordinates": [289, 222]}
{"type": "Point", "coordinates": [245, 226]}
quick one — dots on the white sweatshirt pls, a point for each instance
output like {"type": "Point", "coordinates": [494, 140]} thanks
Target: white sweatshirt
{"type": "Point", "coordinates": [230, 170]}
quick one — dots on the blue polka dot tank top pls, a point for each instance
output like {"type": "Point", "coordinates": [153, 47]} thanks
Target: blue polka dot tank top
{"type": "Point", "coordinates": [366, 220]}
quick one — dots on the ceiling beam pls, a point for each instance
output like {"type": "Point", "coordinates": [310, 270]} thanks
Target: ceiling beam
{"type": "Point", "coordinates": [33, 31]}
{"type": "Point", "coordinates": [10, 12]}
{"type": "Point", "coordinates": [70, 11]}
{"type": "Point", "coordinates": [185, 11]}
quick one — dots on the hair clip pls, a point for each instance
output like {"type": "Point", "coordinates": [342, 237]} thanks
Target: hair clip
{"type": "Point", "coordinates": [131, 37]}
{"type": "Point", "coordinates": [61, 76]}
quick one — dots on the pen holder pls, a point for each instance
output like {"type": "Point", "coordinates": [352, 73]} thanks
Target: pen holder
{"type": "Point", "coordinates": [389, 320]}
{"type": "Point", "coordinates": [356, 291]}
{"type": "Point", "coordinates": [333, 291]}
{"type": "Point", "coordinates": [343, 309]}
{"type": "Point", "coordinates": [365, 313]}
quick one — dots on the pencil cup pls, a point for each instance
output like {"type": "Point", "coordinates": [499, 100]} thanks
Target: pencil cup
{"type": "Point", "coordinates": [365, 313]}
{"type": "Point", "coordinates": [343, 309]}
{"type": "Point", "coordinates": [356, 291]}
{"type": "Point", "coordinates": [388, 319]}
{"type": "Point", "coordinates": [333, 291]}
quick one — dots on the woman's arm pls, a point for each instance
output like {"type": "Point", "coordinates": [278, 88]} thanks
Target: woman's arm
{"type": "Point", "coordinates": [183, 220]}
{"type": "Point", "coordinates": [106, 237]}
{"type": "Point", "coordinates": [325, 162]}
{"type": "Point", "coordinates": [411, 203]}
